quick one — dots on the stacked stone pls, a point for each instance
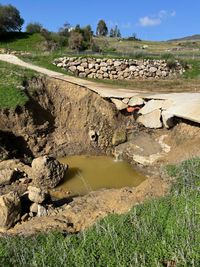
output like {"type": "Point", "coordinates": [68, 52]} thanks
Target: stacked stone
{"type": "Point", "coordinates": [119, 69]}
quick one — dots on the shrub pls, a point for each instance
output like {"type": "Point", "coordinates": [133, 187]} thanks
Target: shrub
{"type": "Point", "coordinates": [34, 27]}
{"type": "Point", "coordinates": [76, 41]}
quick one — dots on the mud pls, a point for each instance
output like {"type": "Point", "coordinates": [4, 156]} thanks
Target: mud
{"type": "Point", "coordinates": [63, 119]}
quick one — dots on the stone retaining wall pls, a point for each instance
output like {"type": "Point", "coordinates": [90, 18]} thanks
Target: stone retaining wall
{"type": "Point", "coordinates": [119, 69]}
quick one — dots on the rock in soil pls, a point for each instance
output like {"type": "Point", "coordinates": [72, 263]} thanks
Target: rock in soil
{"type": "Point", "coordinates": [10, 210]}
{"type": "Point", "coordinates": [47, 172]}
{"type": "Point", "coordinates": [36, 195]}
{"type": "Point", "coordinates": [7, 176]}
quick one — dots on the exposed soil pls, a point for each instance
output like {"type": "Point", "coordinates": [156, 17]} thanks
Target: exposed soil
{"type": "Point", "coordinates": [84, 211]}
{"type": "Point", "coordinates": [58, 120]}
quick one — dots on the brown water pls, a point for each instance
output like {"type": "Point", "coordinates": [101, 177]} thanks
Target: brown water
{"type": "Point", "coordinates": [90, 173]}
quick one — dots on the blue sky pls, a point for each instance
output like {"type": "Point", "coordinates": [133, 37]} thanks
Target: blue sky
{"type": "Point", "coordinates": [149, 19]}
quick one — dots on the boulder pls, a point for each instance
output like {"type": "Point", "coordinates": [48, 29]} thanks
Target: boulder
{"type": "Point", "coordinates": [153, 69]}
{"type": "Point", "coordinates": [91, 65]}
{"type": "Point", "coordinates": [132, 68]}
{"type": "Point", "coordinates": [119, 137]}
{"type": "Point", "coordinates": [7, 176]}
{"type": "Point", "coordinates": [151, 105]}
{"type": "Point", "coordinates": [47, 172]}
{"type": "Point", "coordinates": [151, 120]}
{"type": "Point", "coordinates": [136, 101]}
{"type": "Point", "coordinates": [117, 63]}
{"type": "Point", "coordinates": [119, 104]}
{"type": "Point", "coordinates": [36, 194]}
{"type": "Point", "coordinates": [10, 210]}
{"type": "Point", "coordinates": [72, 68]}
{"type": "Point", "coordinates": [81, 68]}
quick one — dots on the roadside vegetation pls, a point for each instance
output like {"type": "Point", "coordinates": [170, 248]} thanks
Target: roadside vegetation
{"type": "Point", "coordinates": [11, 89]}
{"type": "Point", "coordinates": [160, 232]}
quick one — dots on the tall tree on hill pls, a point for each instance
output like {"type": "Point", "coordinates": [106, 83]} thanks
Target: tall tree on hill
{"type": "Point", "coordinates": [115, 32]}
{"type": "Point", "coordinates": [102, 29]}
{"type": "Point", "coordinates": [10, 19]}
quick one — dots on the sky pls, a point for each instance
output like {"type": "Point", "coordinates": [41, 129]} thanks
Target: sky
{"type": "Point", "coordinates": [150, 19]}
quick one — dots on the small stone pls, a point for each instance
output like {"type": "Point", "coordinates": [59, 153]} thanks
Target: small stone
{"type": "Point", "coordinates": [31, 214]}
{"type": "Point", "coordinates": [119, 104]}
{"type": "Point", "coordinates": [24, 217]}
{"type": "Point", "coordinates": [117, 63]}
{"type": "Point", "coordinates": [72, 68]}
{"type": "Point", "coordinates": [119, 137]}
{"type": "Point", "coordinates": [34, 208]}
{"type": "Point", "coordinates": [153, 69]}
{"type": "Point", "coordinates": [80, 68]}
{"type": "Point", "coordinates": [42, 211]}
{"type": "Point", "coordinates": [132, 68]}
{"type": "Point", "coordinates": [91, 65]}
{"type": "Point", "coordinates": [36, 195]}
{"type": "Point", "coordinates": [136, 101]}
{"type": "Point", "coordinates": [125, 100]}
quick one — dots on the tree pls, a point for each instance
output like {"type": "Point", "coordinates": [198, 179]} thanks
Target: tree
{"type": "Point", "coordinates": [111, 32]}
{"type": "Point", "coordinates": [10, 19]}
{"type": "Point", "coordinates": [87, 33]}
{"type": "Point", "coordinates": [115, 32]}
{"type": "Point", "coordinates": [34, 27]}
{"type": "Point", "coordinates": [65, 30]}
{"type": "Point", "coordinates": [102, 29]}
{"type": "Point", "coordinates": [76, 41]}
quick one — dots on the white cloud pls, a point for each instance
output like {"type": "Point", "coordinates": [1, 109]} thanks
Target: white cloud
{"type": "Point", "coordinates": [155, 20]}
{"type": "Point", "coordinates": [147, 21]}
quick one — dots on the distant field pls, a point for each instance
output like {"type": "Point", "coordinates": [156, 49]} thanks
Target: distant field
{"type": "Point", "coordinates": [119, 48]}
{"type": "Point", "coordinates": [114, 46]}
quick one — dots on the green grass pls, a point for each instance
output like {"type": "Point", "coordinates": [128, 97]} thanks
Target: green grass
{"type": "Point", "coordinates": [11, 80]}
{"type": "Point", "coordinates": [153, 234]}
{"type": "Point", "coordinates": [194, 71]}
{"type": "Point", "coordinates": [22, 42]}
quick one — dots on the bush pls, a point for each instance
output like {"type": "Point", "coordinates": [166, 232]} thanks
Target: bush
{"type": "Point", "coordinates": [53, 41]}
{"type": "Point", "coordinates": [34, 27]}
{"type": "Point", "coordinates": [76, 41]}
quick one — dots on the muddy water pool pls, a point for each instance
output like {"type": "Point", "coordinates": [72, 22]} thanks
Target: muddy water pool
{"type": "Point", "coordinates": [90, 173]}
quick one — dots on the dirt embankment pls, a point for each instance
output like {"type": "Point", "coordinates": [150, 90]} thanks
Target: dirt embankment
{"type": "Point", "coordinates": [66, 119]}
{"type": "Point", "coordinates": [60, 118]}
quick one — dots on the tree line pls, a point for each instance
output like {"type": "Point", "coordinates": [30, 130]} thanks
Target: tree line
{"type": "Point", "coordinates": [79, 38]}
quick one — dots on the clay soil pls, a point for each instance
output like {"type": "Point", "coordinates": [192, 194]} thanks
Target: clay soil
{"type": "Point", "coordinates": [57, 121]}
